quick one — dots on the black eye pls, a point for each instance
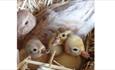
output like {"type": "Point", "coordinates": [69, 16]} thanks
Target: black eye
{"type": "Point", "coordinates": [63, 35]}
{"type": "Point", "coordinates": [26, 22]}
{"type": "Point", "coordinates": [34, 50]}
{"type": "Point", "coordinates": [75, 49]}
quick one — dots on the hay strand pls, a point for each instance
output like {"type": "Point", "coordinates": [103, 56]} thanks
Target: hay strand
{"type": "Point", "coordinates": [51, 59]}
{"type": "Point", "coordinates": [47, 65]}
{"type": "Point", "coordinates": [23, 62]}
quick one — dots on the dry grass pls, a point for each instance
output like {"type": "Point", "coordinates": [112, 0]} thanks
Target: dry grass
{"type": "Point", "coordinates": [89, 44]}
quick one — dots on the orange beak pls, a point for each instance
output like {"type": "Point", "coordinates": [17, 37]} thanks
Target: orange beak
{"type": "Point", "coordinates": [85, 54]}
{"type": "Point", "coordinates": [56, 41]}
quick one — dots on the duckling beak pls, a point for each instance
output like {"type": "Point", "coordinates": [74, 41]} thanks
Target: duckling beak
{"type": "Point", "coordinates": [85, 54]}
{"type": "Point", "coordinates": [56, 42]}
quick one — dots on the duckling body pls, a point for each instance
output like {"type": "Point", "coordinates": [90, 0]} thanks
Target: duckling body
{"type": "Point", "coordinates": [69, 60]}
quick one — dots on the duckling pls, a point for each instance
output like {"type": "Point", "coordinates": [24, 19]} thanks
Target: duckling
{"type": "Point", "coordinates": [35, 48]}
{"type": "Point", "coordinates": [57, 40]}
{"type": "Point", "coordinates": [75, 46]}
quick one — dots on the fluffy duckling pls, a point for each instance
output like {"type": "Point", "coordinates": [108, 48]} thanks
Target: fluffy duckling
{"type": "Point", "coordinates": [57, 40]}
{"type": "Point", "coordinates": [74, 46]}
{"type": "Point", "coordinates": [35, 48]}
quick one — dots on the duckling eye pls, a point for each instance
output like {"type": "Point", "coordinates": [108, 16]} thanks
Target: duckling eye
{"type": "Point", "coordinates": [34, 49]}
{"type": "Point", "coordinates": [63, 35]}
{"type": "Point", "coordinates": [26, 22]}
{"type": "Point", "coordinates": [75, 49]}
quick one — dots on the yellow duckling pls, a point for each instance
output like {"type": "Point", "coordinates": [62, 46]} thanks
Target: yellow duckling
{"type": "Point", "coordinates": [70, 61]}
{"type": "Point", "coordinates": [74, 46]}
{"type": "Point", "coordinates": [57, 40]}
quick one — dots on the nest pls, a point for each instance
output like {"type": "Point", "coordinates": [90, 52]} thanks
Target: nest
{"type": "Point", "coordinates": [38, 8]}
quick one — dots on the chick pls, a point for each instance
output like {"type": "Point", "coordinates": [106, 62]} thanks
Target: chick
{"type": "Point", "coordinates": [56, 42]}
{"type": "Point", "coordinates": [74, 46]}
{"type": "Point", "coordinates": [35, 48]}
{"type": "Point", "coordinates": [25, 22]}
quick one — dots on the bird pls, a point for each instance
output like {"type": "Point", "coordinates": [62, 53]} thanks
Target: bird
{"type": "Point", "coordinates": [35, 48]}
{"type": "Point", "coordinates": [57, 40]}
{"type": "Point", "coordinates": [25, 22]}
{"type": "Point", "coordinates": [74, 46]}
